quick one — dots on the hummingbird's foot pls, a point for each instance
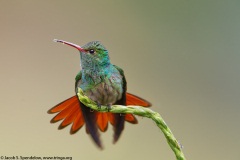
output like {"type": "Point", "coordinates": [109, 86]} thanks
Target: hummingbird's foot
{"type": "Point", "coordinates": [109, 107]}
{"type": "Point", "coordinates": [99, 105]}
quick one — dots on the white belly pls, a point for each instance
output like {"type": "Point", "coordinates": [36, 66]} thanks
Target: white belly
{"type": "Point", "coordinates": [107, 92]}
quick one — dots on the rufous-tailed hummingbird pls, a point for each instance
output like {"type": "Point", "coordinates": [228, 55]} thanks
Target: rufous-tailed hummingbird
{"type": "Point", "coordinates": [105, 84]}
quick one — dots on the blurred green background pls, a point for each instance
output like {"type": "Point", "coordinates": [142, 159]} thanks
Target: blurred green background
{"type": "Point", "coordinates": [181, 55]}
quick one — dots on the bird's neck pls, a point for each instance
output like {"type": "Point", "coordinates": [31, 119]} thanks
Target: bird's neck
{"type": "Point", "coordinates": [96, 74]}
{"type": "Point", "coordinates": [92, 64]}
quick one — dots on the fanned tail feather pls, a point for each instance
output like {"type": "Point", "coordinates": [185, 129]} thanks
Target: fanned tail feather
{"type": "Point", "coordinates": [102, 121]}
{"type": "Point", "coordinates": [77, 123]}
{"type": "Point", "coordinates": [137, 101]}
{"type": "Point", "coordinates": [131, 118]}
{"type": "Point", "coordinates": [71, 113]}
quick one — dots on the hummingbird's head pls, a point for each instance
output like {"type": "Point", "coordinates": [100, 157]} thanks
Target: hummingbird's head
{"type": "Point", "coordinates": [93, 55]}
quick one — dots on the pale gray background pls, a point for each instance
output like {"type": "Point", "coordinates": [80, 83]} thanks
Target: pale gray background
{"type": "Point", "coordinates": [181, 55]}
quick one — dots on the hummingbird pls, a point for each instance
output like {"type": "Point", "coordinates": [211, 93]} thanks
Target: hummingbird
{"type": "Point", "coordinates": [105, 84]}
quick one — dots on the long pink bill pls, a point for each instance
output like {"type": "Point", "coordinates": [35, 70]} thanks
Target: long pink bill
{"type": "Point", "coordinates": [70, 44]}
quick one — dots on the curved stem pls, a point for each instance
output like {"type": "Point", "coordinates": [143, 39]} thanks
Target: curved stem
{"type": "Point", "coordinates": [141, 111]}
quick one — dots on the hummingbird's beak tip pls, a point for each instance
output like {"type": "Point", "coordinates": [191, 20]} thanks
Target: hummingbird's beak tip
{"type": "Point", "coordinates": [55, 40]}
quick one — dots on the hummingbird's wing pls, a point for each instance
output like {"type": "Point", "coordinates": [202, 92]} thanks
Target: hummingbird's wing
{"type": "Point", "coordinates": [90, 118]}
{"type": "Point", "coordinates": [117, 120]}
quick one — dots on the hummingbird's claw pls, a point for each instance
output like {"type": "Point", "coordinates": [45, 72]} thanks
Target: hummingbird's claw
{"type": "Point", "coordinates": [99, 106]}
{"type": "Point", "coordinates": [109, 107]}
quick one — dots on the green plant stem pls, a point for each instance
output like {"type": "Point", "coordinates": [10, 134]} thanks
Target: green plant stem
{"type": "Point", "coordinates": [140, 111]}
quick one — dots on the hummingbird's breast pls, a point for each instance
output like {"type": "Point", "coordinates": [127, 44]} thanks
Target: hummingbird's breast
{"type": "Point", "coordinates": [107, 92]}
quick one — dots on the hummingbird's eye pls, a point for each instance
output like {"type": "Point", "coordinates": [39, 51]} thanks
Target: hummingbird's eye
{"type": "Point", "coordinates": [91, 51]}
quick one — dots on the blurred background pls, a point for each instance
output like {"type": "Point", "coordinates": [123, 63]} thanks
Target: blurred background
{"type": "Point", "coordinates": [181, 55]}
